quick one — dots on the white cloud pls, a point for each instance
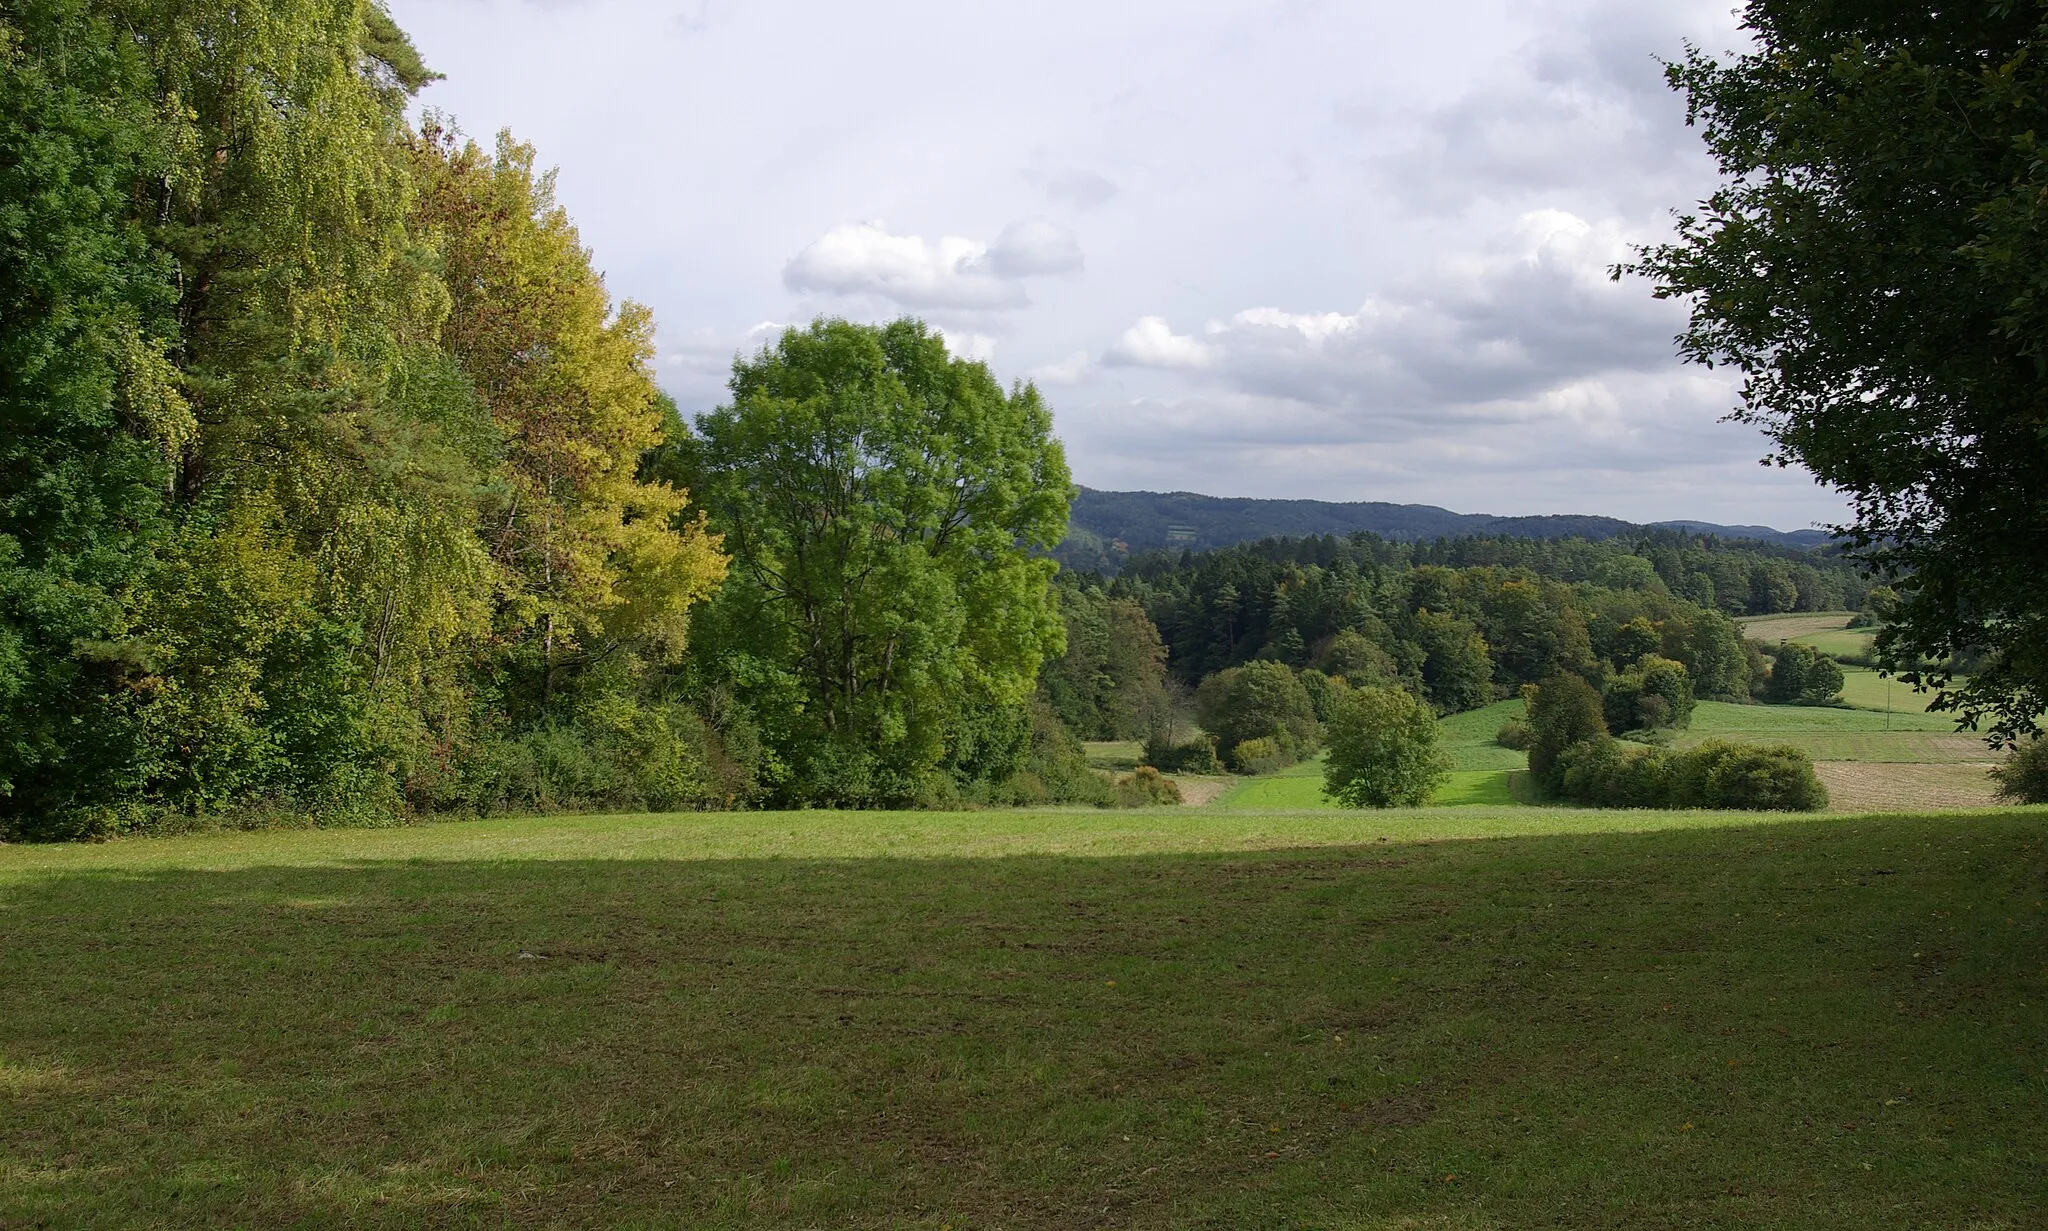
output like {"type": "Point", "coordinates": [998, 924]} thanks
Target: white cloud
{"type": "Point", "coordinates": [963, 344]}
{"type": "Point", "coordinates": [1152, 343]}
{"type": "Point", "coordinates": [1533, 312]}
{"type": "Point", "coordinates": [866, 258]}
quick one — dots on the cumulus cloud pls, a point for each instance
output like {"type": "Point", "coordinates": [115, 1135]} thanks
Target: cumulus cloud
{"type": "Point", "coordinates": [866, 258]}
{"type": "Point", "coordinates": [1152, 343]}
{"type": "Point", "coordinates": [1478, 338]}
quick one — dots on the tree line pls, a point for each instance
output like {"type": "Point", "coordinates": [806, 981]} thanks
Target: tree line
{"type": "Point", "coordinates": [335, 482]}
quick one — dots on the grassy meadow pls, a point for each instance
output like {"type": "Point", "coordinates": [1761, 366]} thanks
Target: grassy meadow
{"type": "Point", "coordinates": [1446, 1017]}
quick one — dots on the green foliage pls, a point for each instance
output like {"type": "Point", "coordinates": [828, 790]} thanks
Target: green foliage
{"type": "Point", "coordinates": [882, 502]}
{"type": "Point", "coordinates": [1457, 674]}
{"type": "Point", "coordinates": [1563, 711]}
{"type": "Point", "coordinates": [1382, 750]}
{"type": "Point", "coordinates": [1196, 756]}
{"type": "Point", "coordinates": [1145, 786]}
{"type": "Point", "coordinates": [1259, 701]}
{"type": "Point", "coordinates": [1873, 263]}
{"type": "Point", "coordinates": [1359, 660]}
{"type": "Point", "coordinates": [1265, 755]}
{"type": "Point", "coordinates": [1515, 734]}
{"type": "Point", "coordinates": [1653, 695]}
{"type": "Point", "coordinates": [2023, 777]}
{"type": "Point", "coordinates": [1802, 675]}
{"type": "Point", "coordinates": [1323, 692]}
{"type": "Point", "coordinates": [1611, 773]}
{"type": "Point", "coordinates": [1110, 683]}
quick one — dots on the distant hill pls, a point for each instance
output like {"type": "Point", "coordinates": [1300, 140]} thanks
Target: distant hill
{"type": "Point", "coordinates": [1107, 526]}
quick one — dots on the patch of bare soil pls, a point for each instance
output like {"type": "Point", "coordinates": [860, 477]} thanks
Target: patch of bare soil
{"type": "Point", "coordinates": [1864, 786]}
{"type": "Point", "coordinates": [1199, 789]}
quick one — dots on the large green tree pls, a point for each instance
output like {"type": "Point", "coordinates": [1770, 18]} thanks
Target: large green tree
{"type": "Point", "coordinates": [1875, 262]}
{"type": "Point", "coordinates": [883, 504]}
{"type": "Point", "coordinates": [90, 413]}
{"type": "Point", "coordinates": [1383, 750]}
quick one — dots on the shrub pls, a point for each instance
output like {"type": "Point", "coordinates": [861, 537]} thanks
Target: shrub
{"type": "Point", "coordinates": [1146, 785]}
{"type": "Point", "coordinates": [2023, 778]}
{"type": "Point", "coordinates": [1752, 777]}
{"type": "Point", "coordinates": [1196, 756]}
{"type": "Point", "coordinates": [1383, 750]}
{"type": "Point", "coordinates": [1563, 711]}
{"type": "Point", "coordinates": [1610, 773]}
{"type": "Point", "coordinates": [1261, 756]}
{"type": "Point", "coordinates": [1514, 734]}
{"type": "Point", "coordinates": [1260, 700]}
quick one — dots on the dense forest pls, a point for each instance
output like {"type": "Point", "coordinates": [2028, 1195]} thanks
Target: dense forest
{"type": "Point", "coordinates": [1461, 622]}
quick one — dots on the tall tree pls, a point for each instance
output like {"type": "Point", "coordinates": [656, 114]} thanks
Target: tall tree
{"type": "Point", "coordinates": [1875, 264]}
{"type": "Point", "coordinates": [883, 503]}
{"type": "Point", "coordinates": [594, 555]}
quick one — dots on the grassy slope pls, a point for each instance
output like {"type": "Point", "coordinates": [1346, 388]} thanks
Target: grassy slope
{"type": "Point", "coordinates": [1034, 1020]}
{"type": "Point", "coordinates": [1838, 734]}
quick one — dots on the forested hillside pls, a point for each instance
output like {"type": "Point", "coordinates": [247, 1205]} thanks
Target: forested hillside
{"type": "Point", "coordinates": [1461, 622]}
{"type": "Point", "coordinates": [1109, 527]}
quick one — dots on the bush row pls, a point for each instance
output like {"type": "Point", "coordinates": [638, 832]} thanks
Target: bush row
{"type": "Point", "coordinates": [1611, 773]}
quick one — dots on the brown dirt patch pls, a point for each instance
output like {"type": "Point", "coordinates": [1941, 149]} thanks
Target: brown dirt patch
{"type": "Point", "coordinates": [1863, 786]}
{"type": "Point", "coordinates": [1199, 789]}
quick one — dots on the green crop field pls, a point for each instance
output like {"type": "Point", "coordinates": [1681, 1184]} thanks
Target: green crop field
{"type": "Point", "coordinates": [1447, 1017]}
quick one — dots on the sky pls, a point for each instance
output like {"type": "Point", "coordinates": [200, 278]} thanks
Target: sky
{"type": "Point", "coordinates": [1347, 250]}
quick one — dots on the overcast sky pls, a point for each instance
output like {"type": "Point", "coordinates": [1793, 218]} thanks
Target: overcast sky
{"type": "Point", "coordinates": [1351, 251]}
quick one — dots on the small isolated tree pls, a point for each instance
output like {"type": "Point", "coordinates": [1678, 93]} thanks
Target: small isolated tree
{"type": "Point", "coordinates": [1563, 711]}
{"type": "Point", "coordinates": [1383, 751]}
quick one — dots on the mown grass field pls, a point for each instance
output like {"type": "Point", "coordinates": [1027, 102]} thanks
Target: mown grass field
{"type": "Point", "coordinates": [1826, 631]}
{"type": "Point", "coordinates": [1450, 1017]}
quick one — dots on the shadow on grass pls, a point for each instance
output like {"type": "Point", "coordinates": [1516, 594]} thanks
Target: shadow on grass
{"type": "Point", "coordinates": [1795, 1024]}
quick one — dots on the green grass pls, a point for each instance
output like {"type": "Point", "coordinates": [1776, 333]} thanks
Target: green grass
{"type": "Point", "coordinates": [1729, 718]}
{"type": "Point", "coordinates": [1866, 689]}
{"type": "Point", "coordinates": [1468, 738]}
{"type": "Point", "coordinates": [1034, 1020]}
{"type": "Point", "coordinates": [1835, 733]}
